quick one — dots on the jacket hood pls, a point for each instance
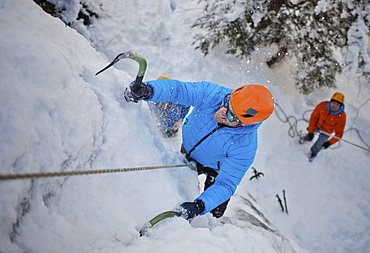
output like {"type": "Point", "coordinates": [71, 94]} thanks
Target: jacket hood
{"type": "Point", "coordinates": [341, 109]}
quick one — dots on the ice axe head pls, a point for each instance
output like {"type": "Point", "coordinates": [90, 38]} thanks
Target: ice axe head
{"type": "Point", "coordinates": [121, 56]}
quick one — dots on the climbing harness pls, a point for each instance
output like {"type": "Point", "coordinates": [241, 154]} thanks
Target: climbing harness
{"type": "Point", "coordinates": [85, 172]}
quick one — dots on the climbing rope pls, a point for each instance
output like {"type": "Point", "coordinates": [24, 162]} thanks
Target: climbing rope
{"type": "Point", "coordinates": [85, 172]}
{"type": "Point", "coordinates": [367, 149]}
{"type": "Point", "coordinates": [291, 120]}
{"type": "Point", "coordinates": [293, 130]}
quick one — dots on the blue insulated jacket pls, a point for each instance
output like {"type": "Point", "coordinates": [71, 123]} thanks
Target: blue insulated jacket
{"type": "Point", "coordinates": [229, 150]}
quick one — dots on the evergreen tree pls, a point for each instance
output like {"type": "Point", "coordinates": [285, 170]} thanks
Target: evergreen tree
{"type": "Point", "coordinates": [313, 30]}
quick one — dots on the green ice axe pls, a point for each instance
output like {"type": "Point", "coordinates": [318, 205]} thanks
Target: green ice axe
{"type": "Point", "coordinates": [142, 67]}
{"type": "Point", "coordinates": [156, 219]}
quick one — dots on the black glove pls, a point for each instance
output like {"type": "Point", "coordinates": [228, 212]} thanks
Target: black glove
{"type": "Point", "coordinates": [144, 91]}
{"type": "Point", "coordinates": [309, 137]}
{"type": "Point", "coordinates": [191, 209]}
{"type": "Point", "coordinates": [326, 144]}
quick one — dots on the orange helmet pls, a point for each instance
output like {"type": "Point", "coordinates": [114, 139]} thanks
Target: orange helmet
{"type": "Point", "coordinates": [252, 103]}
{"type": "Point", "coordinates": [339, 97]}
{"type": "Point", "coordinates": [163, 77]}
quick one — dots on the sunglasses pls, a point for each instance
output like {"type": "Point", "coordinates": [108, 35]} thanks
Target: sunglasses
{"type": "Point", "coordinates": [230, 116]}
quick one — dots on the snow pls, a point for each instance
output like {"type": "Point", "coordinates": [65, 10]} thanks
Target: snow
{"type": "Point", "coordinates": [321, 6]}
{"type": "Point", "coordinates": [357, 40]}
{"type": "Point", "coordinates": [56, 115]}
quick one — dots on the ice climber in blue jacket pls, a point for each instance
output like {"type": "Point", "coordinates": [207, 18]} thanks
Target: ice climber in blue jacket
{"type": "Point", "coordinates": [220, 134]}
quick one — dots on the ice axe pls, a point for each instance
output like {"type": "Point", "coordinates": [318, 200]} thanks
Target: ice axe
{"type": "Point", "coordinates": [138, 58]}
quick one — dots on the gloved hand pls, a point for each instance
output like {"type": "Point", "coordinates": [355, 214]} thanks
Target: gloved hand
{"type": "Point", "coordinates": [326, 144]}
{"type": "Point", "coordinates": [309, 137]}
{"type": "Point", "coordinates": [144, 91]}
{"type": "Point", "coordinates": [189, 210]}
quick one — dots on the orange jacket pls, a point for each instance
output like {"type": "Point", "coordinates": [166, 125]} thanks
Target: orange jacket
{"type": "Point", "coordinates": [323, 119]}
